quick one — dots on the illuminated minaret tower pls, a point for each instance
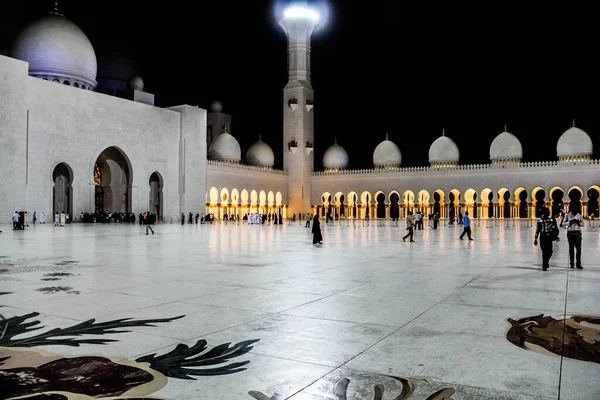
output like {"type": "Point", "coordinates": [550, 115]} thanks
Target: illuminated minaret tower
{"type": "Point", "coordinates": [298, 21]}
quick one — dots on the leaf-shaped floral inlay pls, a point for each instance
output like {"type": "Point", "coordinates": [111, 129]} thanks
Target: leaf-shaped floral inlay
{"type": "Point", "coordinates": [15, 326]}
{"type": "Point", "coordinates": [183, 361]}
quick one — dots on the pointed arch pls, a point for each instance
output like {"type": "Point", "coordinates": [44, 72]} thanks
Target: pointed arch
{"type": "Point", "coordinates": [352, 199]}
{"type": "Point", "coordinates": [214, 195]}
{"type": "Point", "coordinates": [224, 196]}
{"type": "Point", "coordinates": [254, 197]}
{"type": "Point", "coordinates": [271, 199]}
{"type": "Point", "coordinates": [235, 196]}
{"type": "Point", "coordinates": [408, 198]}
{"type": "Point", "coordinates": [278, 198]}
{"type": "Point", "coordinates": [576, 188]}
{"type": "Point", "coordinates": [244, 196]}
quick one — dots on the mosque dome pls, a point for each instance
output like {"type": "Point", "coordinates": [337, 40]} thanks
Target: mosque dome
{"type": "Point", "coordinates": [574, 145]}
{"type": "Point", "coordinates": [225, 148]}
{"type": "Point", "coordinates": [443, 151]}
{"type": "Point", "coordinates": [216, 107]}
{"type": "Point", "coordinates": [335, 157]}
{"type": "Point", "coordinates": [387, 154]}
{"type": "Point", "coordinates": [56, 49]}
{"type": "Point", "coordinates": [506, 147]}
{"type": "Point", "coordinates": [260, 154]}
{"type": "Point", "coordinates": [136, 83]}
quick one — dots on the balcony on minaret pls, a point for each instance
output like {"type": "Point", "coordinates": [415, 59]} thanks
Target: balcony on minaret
{"type": "Point", "coordinates": [309, 147]}
{"type": "Point", "coordinates": [293, 103]}
{"type": "Point", "coordinates": [293, 146]}
{"type": "Point", "coordinates": [309, 105]}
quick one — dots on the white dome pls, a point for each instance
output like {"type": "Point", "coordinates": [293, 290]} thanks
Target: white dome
{"type": "Point", "coordinates": [335, 157]}
{"type": "Point", "coordinates": [443, 150]}
{"type": "Point", "coordinates": [56, 48]}
{"type": "Point", "coordinates": [225, 148]}
{"type": "Point", "coordinates": [260, 154]}
{"type": "Point", "coordinates": [136, 83]}
{"type": "Point", "coordinates": [387, 153]}
{"type": "Point", "coordinates": [506, 146]}
{"type": "Point", "coordinates": [574, 142]}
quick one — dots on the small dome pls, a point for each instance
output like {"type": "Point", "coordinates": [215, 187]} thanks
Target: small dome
{"type": "Point", "coordinates": [260, 154]}
{"type": "Point", "coordinates": [56, 48]}
{"type": "Point", "coordinates": [443, 150]}
{"type": "Point", "coordinates": [335, 157]}
{"type": "Point", "coordinates": [506, 146]}
{"type": "Point", "coordinates": [216, 107]}
{"type": "Point", "coordinates": [225, 148]}
{"type": "Point", "coordinates": [574, 142]}
{"type": "Point", "coordinates": [387, 154]}
{"type": "Point", "coordinates": [136, 83]}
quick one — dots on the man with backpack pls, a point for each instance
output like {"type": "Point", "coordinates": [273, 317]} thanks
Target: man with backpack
{"type": "Point", "coordinates": [547, 231]}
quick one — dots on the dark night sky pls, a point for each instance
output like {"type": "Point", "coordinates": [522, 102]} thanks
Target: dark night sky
{"type": "Point", "coordinates": [407, 69]}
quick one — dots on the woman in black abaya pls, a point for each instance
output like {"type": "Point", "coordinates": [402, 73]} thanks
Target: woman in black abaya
{"type": "Point", "coordinates": [316, 231]}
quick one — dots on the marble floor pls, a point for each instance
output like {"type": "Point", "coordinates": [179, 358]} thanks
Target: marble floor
{"type": "Point", "coordinates": [241, 312]}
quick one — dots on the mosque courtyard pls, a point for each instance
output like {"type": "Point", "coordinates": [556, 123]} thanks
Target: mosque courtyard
{"type": "Point", "coordinates": [235, 309]}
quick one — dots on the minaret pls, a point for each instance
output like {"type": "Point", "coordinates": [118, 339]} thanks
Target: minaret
{"type": "Point", "coordinates": [298, 21]}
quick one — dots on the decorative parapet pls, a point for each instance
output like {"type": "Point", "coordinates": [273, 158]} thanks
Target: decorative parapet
{"type": "Point", "coordinates": [229, 166]}
{"type": "Point", "coordinates": [518, 166]}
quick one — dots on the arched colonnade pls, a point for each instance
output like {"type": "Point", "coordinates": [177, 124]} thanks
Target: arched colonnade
{"type": "Point", "coordinates": [482, 203]}
{"type": "Point", "coordinates": [242, 202]}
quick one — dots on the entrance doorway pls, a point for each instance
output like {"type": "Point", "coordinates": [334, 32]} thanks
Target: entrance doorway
{"type": "Point", "coordinates": [156, 195]}
{"type": "Point", "coordinates": [62, 191]}
{"type": "Point", "coordinates": [113, 178]}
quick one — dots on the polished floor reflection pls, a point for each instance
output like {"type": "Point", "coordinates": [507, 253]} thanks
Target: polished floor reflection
{"type": "Point", "coordinates": [241, 312]}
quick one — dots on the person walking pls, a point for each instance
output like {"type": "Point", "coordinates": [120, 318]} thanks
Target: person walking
{"type": "Point", "coordinates": [466, 223]}
{"type": "Point", "coordinates": [410, 226]}
{"type": "Point", "coordinates": [316, 231]}
{"type": "Point", "coordinates": [307, 220]}
{"type": "Point", "coordinates": [147, 222]}
{"type": "Point", "coordinates": [573, 222]}
{"type": "Point", "coordinates": [547, 231]}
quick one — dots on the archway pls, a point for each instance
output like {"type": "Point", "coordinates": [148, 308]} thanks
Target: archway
{"type": "Point", "coordinates": [325, 202]}
{"type": "Point", "coordinates": [155, 197]}
{"type": "Point", "coordinates": [235, 202]}
{"type": "Point", "coordinates": [486, 200]}
{"type": "Point", "coordinates": [394, 200]}
{"type": "Point", "coordinates": [453, 204]}
{"type": "Point", "coordinates": [339, 205]}
{"type": "Point", "coordinates": [116, 177]}
{"type": "Point", "coordinates": [380, 199]}
{"type": "Point", "coordinates": [556, 195]}
{"type": "Point", "coordinates": [262, 201]}
{"type": "Point", "coordinates": [278, 204]}
{"type": "Point", "coordinates": [575, 196]}
{"type": "Point", "coordinates": [253, 201]}
{"type": "Point", "coordinates": [521, 201]}
{"type": "Point", "coordinates": [423, 197]}
{"type": "Point", "coordinates": [353, 203]}
{"type": "Point", "coordinates": [365, 200]}
{"type": "Point", "coordinates": [592, 206]}
{"type": "Point", "coordinates": [224, 212]}
{"type": "Point", "coordinates": [62, 190]}
{"type": "Point", "coordinates": [213, 200]}
{"type": "Point", "coordinates": [408, 198]}
{"type": "Point", "coordinates": [503, 203]}
{"type": "Point", "coordinates": [539, 201]}
{"type": "Point", "coordinates": [438, 203]}
{"type": "Point", "coordinates": [470, 200]}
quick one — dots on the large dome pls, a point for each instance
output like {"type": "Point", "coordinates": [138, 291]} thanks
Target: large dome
{"type": "Point", "coordinates": [260, 154]}
{"type": "Point", "coordinates": [443, 151]}
{"type": "Point", "coordinates": [56, 49]}
{"type": "Point", "coordinates": [335, 157]}
{"type": "Point", "coordinates": [387, 154]}
{"type": "Point", "coordinates": [225, 148]}
{"type": "Point", "coordinates": [574, 143]}
{"type": "Point", "coordinates": [506, 146]}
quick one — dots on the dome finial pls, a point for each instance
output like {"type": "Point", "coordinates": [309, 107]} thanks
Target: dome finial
{"type": "Point", "coordinates": [443, 132]}
{"type": "Point", "coordinates": [55, 11]}
{"type": "Point", "coordinates": [259, 137]}
{"type": "Point", "coordinates": [386, 136]}
{"type": "Point", "coordinates": [505, 128]}
{"type": "Point", "coordinates": [225, 129]}
{"type": "Point", "coordinates": [573, 121]}
{"type": "Point", "coordinates": [334, 140]}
